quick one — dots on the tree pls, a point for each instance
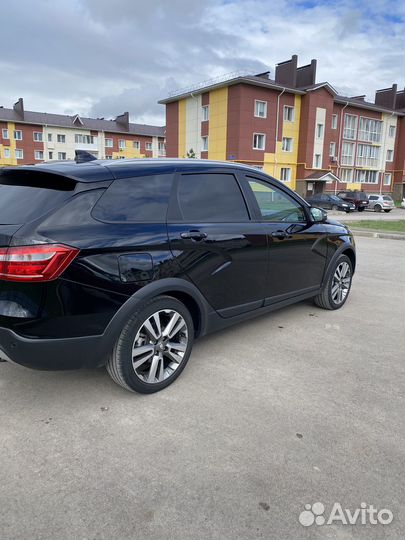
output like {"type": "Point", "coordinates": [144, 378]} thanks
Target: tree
{"type": "Point", "coordinates": [191, 154]}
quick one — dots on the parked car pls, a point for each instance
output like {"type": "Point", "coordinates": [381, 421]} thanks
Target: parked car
{"type": "Point", "coordinates": [358, 198]}
{"type": "Point", "coordinates": [378, 203]}
{"type": "Point", "coordinates": [125, 263]}
{"type": "Point", "coordinates": [330, 202]}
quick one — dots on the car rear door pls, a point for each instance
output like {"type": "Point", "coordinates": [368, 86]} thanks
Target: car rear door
{"type": "Point", "coordinates": [297, 246]}
{"type": "Point", "coordinates": [215, 242]}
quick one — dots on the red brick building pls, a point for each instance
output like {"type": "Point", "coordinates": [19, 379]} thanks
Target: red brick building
{"type": "Point", "coordinates": [296, 129]}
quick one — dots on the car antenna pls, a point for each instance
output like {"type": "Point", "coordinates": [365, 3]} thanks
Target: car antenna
{"type": "Point", "coordinates": [82, 156]}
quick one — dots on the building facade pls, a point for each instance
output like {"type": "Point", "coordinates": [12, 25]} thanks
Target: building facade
{"type": "Point", "coordinates": [295, 129]}
{"type": "Point", "coordinates": [28, 137]}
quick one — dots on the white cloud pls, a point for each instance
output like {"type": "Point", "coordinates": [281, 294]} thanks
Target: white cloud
{"type": "Point", "coordinates": [92, 57]}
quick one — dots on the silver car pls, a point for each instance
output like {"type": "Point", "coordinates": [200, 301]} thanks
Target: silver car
{"type": "Point", "coordinates": [378, 203]}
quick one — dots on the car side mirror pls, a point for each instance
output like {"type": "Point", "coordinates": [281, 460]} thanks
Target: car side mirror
{"type": "Point", "coordinates": [318, 215]}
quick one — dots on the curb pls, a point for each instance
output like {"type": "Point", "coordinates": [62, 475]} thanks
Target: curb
{"type": "Point", "coordinates": [375, 234]}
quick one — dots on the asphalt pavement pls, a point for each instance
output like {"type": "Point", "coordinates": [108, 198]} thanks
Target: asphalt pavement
{"type": "Point", "coordinates": [298, 407]}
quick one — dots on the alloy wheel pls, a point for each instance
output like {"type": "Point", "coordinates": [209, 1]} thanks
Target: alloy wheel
{"type": "Point", "coordinates": [159, 346]}
{"type": "Point", "coordinates": [341, 282]}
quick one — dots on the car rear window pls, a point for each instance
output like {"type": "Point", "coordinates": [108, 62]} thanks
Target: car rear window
{"type": "Point", "coordinates": [361, 196]}
{"type": "Point", "coordinates": [387, 198]}
{"type": "Point", "coordinates": [140, 199]}
{"type": "Point", "coordinates": [26, 197]}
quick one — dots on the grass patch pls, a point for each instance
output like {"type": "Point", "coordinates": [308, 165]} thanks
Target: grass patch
{"type": "Point", "coordinates": [378, 225]}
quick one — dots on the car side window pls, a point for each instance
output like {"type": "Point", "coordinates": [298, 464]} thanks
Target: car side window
{"type": "Point", "coordinates": [131, 200]}
{"type": "Point", "coordinates": [275, 205]}
{"type": "Point", "coordinates": [214, 198]}
{"type": "Point", "coordinates": [372, 198]}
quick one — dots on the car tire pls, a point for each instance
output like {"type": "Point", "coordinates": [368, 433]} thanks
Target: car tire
{"type": "Point", "coordinates": [360, 208]}
{"type": "Point", "coordinates": [335, 208]}
{"type": "Point", "coordinates": [377, 208]}
{"type": "Point", "coordinates": [347, 211]}
{"type": "Point", "coordinates": [161, 355]}
{"type": "Point", "coordinates": [331, 297]}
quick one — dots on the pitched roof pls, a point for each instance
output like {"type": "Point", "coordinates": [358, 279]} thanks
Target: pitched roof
{"type": "Point", "coordinates": [356, 102]}
{"type": "Point", "coordinates": [321, 175]}
{"type": "Point", "coordinates": [255, 80]}
{"type": "Point", "coordinates": [66, 121]}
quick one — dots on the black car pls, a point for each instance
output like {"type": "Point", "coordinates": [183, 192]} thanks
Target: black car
{"type": "Point", "coordinates": [126, 263]}
{"type": "Point", "coordinates": [356, 197]}
{"type": "Point", "coordinates": [330, 202]}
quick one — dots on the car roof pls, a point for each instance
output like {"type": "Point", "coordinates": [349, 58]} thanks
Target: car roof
{"type": "Point", "coordinates": [107, 169]}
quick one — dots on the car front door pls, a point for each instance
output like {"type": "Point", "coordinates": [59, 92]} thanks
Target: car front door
{"type": "Point", "coordinates": [297, 246]}
{"type": "Point", "coordinates": [215, 242]}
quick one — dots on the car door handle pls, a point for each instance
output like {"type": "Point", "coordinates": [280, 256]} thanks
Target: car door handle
{"type": "Point", "coordinates": [280, 235]}
{"type": "Point", "coordinates": [193, 235]}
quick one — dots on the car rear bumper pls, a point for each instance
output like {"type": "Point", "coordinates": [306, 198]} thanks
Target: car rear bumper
{"type": "Point", "coordinates": [52, 354]}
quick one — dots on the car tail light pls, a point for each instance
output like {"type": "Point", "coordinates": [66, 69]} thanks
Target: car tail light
{"type": "Point", "coordinates": [35, 263]}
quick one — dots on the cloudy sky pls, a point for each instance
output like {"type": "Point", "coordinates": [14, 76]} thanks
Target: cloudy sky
{"type": "Point", "coordinates": [103, 57]}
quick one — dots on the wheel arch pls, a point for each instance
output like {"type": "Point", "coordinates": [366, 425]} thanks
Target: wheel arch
{"type": "Point", "coordinates": [181, 289]}
{"type": "Point", "coordinates": [352, 256]}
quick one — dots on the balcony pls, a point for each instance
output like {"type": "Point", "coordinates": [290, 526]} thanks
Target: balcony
{"type": "Point", "coordinates": [367, 162]}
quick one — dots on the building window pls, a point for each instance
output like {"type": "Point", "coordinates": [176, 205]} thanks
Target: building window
{"type": "Point", "coordinates": [84, 139]}
{"type": "Point", "coordinates": [287, 144]}
{"type": "Point", "coordinates": [259, 141]}
{"type": "Point", "coordinates": [161, 146]}
{"type": "Point", "coordinates": [18, 135]}
{"type": "Point", "coordinates": [38, 155]}
{"type": "Point", "coordinates": [148, 146]}
{"type": "Point", "coordinates": [61, 138]}
{"type": "Point", "coordinates": [108, 143]}
{"type": "Point", "coordinates": [347, 153]}
{"type": "Point", "coordinates": [370, 130]}
{"type": "Point", "coordinates": [136, 145]}
{"type": "Point", "coordinates": [50, 155]}
{"type": "Point", "coordinates": [367, 155]}
{"type": "Point", "coordinates": [317, 161]}
{"type": "Point", "coordinates": [367, 177]}
{"type": "Point", "coordinates": [19, 154]}
{"type": "Point", "coordinates": [62, 155]}
{"type": "Point", "coordinates": [390, 155]}
{"type": "Point", "coordinates": [260, 108]}
{"type": "Point", "coordinates": [319, 131]}
{"type": "Point", "coordinates": [387, 179]}
{"type": "Point", "coordinates": [121, 144]}
{"type": "Point", "coordinates": [346, 175]}
{"type": "Point", "coordinates": [37, 136]}
{"type": "Point", "coordinates": [391, 131]}
{"type": "Point", "coordinates": [7, 152]}
{"type": "Point", "coordinates": [108, 157]}
{"type": "Point", "coordinates": [49, 137]}
{"type": "Point", "coordinates": [332, 149]}
{"type": "Point", "coordinates": [288, 113]}
{"type": "Point", "coordinates": [334, 121]}
{"type": "Point", "coordinates": [205, 112]}
{"type": "Point", "coordinates": [204, 146]}
{"type": "Point", "coordinates": [350, 126]}
{"type": "Point", "coordinates": [285, 174]}
{"type": "Point", "coordinates": [4, 133]}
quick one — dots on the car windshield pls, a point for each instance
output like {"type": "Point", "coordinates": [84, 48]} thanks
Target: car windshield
{"type": "Point", "coordinates": [334, 198]}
